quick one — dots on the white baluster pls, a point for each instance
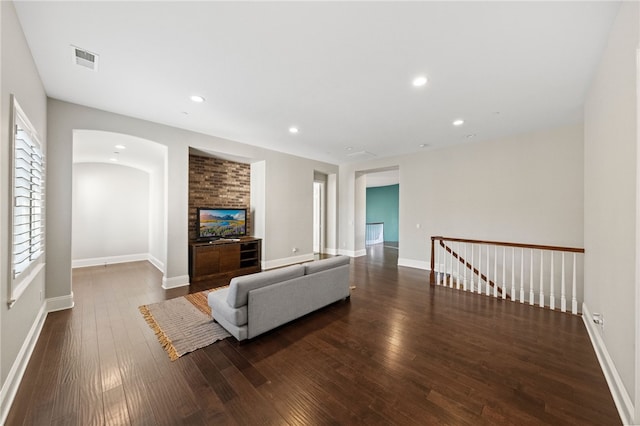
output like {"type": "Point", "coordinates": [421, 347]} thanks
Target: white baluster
{"type": "Point", "coordinates": [541, 279]}
{"type": "Point", "coordinates": [514, 295]}
{"type": "Point", "coordinates": [504, 276]}
{"type": "Point", "coordinates": [563, 295]}
{"type": "Point", "coordinates": [532, 300]}
{"type": "Point", "coordinates": [464, 278]}
{"type": "Point", "coordinates": [451, 268]}
{"type": "Point", "coordinates": [458, 270]}
{"type": "Point", "coordinates": [488, 278]}
{"type": "Point", "coordinates": [479, 269]}
{"type": "Point", "coordinates": [437, 266]}
{"type": "Point", "coordinates": [472, 273]}
{"type": "Point", "coordinates": [552, 290]}
{"type": "Point", "coordinates": [522, 276]}
{"type": "Point", "coordinates": [495, 271]}
{"type": "Point", "coordinates": [574, 300]}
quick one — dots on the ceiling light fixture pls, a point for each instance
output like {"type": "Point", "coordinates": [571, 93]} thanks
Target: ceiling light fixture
{"type": "Point", "coordinates": [114, 159]}
{"type": "Point", "coordinates": [349, 148]}
{"type": "Point", "coordinates": [423, 145]}
{"type": "Point", "coordinates": [420, 81]}
{"type": "Point", "coordinates": [458, 122]}
{"type": "Point", "coordinates": [196, 98]}
{"type": "Point", "coordinates": [121, 147]}
{"type": "Point", "coordinates": [293, 130]}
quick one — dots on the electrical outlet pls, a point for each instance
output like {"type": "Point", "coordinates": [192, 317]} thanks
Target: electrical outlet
{"type": "Point", "coordinates": [598, 319]}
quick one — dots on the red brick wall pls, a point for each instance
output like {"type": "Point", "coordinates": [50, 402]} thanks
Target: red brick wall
{"type": "Point", "coordinates": [217, 183]}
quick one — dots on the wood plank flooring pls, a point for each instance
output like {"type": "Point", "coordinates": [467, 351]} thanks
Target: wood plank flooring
{"type": "Point", "coordinates": [400, 352]}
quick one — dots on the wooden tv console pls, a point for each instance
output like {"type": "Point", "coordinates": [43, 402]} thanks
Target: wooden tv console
{"type": "Point", "coordinates": [225, 258]}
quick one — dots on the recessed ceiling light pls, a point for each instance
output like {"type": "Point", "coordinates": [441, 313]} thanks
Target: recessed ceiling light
{"type": "Point", "coordinates": [121, 147]}
{"type": "Point", "coordinates": [420, 81]}
{"type": "Point", "coordinates": [196, 98]}
{"type": "Point", "coordinates": [293, 130]}
{"type": "Point", "coordinates": [113, 159]}
{"type": "Point", "coordinates": [458, 122]}
{"type": "Point", "coordinates": [349, 148]}
{"type": "Point", "coordinates": [423, 145]}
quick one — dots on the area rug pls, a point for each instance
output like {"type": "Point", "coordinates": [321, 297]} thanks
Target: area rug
{"type": "Point", "coordinates": [183, 324]}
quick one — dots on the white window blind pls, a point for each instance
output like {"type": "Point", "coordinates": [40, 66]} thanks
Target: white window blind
{"type": "Point", "coordinates": [28, 200]}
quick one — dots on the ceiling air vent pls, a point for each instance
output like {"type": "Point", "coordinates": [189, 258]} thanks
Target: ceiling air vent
{"type": "Point", "coordinates": [361, 154]}
{"type": "Point", "coordinates": [84, 58]}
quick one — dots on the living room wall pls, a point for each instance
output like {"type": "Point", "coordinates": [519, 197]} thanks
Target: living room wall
{"type": "Point", "coordinates": [21, 323]}
{"type": "Point", "coordinates": [214, 182]}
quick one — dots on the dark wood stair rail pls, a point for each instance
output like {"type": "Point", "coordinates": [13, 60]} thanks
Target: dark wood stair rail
{"type": "Point", "coordinates": [432, 275]}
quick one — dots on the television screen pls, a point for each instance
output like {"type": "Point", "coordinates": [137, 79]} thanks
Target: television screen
{"type": "Point", "coordinates": [221, 223]}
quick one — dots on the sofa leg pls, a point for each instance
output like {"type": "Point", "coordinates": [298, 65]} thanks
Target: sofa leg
{"type": "Point", "coordinates": [348, 298]}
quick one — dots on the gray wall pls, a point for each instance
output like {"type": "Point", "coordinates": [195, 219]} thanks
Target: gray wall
{"type": "Point", "coordinates": [288, 185]}
{"type": "Point", "coordinates": [611, 196]}
{"type": "Point", "coordinates": [526, 188]}
{"type": "Point", "coordinates": [19, 77]}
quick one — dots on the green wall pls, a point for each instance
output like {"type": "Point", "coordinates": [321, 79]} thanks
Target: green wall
{"type": "Point", "coordinates": [383, 206]}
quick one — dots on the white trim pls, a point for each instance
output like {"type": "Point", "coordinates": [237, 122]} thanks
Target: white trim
{"type": "Point", "coordinates": [412, 263]}
{"type": "Point", "coordinates": [331, 251]}
{"type": "Point", "coordinates": [175, 282]}
{"type": "Point", "coordinates": [108, 260]}
{"type": "Point", "coordinates": [25, 282]}
{"type": "Point", "coordinates": [616, 386]}
{"type": "Point", "coordinates": [156, 262]}
{"type": "Point", "coordinates": [60, 303]}
{"type": "Point", "coordinates": [11, 384]}
{"type": "Point", "coordinates": [353, 253]}
{"type": "Point", "coordinates": [277, 263]}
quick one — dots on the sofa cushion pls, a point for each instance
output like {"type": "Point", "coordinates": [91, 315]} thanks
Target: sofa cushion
{"type": "Point", "coordinates": [324, 264]}
{"type": "Point", "coordinates": [240, 287]}
{"type": "Point", "coordinates": [221, 309]}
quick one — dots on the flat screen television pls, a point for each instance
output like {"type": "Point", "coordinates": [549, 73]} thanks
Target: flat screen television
{"type": "Point", "coordinates": [216, 223]}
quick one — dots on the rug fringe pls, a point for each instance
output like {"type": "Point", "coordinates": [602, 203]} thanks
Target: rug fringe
{"type": "Point", "coordinates": [162, 337]}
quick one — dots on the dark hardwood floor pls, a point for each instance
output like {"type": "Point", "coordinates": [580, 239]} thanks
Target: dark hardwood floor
{"type": "Point", "coordinates": [400, 352]}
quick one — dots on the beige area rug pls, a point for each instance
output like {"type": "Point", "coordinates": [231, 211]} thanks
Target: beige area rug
{"type": "Point", "coordinates": [183, 324]}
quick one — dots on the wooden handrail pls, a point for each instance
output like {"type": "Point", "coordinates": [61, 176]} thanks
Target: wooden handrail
{"type": "Point", "coordinates": [506, 244]}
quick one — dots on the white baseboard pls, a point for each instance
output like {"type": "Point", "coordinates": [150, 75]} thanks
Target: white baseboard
{"type": "Point", "coordinates": [175, 282]}
{"type": "Point", "coordinates": [616, 386]}
{"type": "Point", "coordinates": [155, 262]}
{"type": "Point", "coordinates": [285, 261]}
{"type": "Point", "coordinates": [60, 303]}
{"type": "Point", "coordinates": [109, 260]}
{"type": "Point", "coordinates": [11, 384]}
{"type": "Point", "coordinates": [353, 253]}
{"type": "Point", "coordinates": [412, 263]}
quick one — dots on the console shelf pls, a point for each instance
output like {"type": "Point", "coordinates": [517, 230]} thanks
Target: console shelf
{"type": "Point", "coordinates": [224, 258]}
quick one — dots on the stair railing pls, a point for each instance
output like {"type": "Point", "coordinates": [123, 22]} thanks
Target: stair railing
{"type": "Point", "coordinates": [508, 270]}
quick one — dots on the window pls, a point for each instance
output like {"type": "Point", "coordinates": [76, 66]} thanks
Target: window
{"type": "Point", "coordinates": [27, 236]}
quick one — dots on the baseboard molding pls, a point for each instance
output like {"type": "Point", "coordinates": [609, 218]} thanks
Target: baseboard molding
{"type": "Point", "coordinates": [109, 260]}
{"type": "Point", "coordinates": [616, 386]}
{"type": "Point", "coordinates": [60, 303]}
{"type": "Point", "coordinates": [412, 263]}
{"type": "Point", "coordinates": [175, 282]}
{"type": "Point", "coordinates": [285, 261]}
{"type": "Point", "coordinates": [353, 253]}
{"type": "Point", "coordinates": [11, 384]}
{"type": "Point", "coordinates": [155, 262]}
{"type": "Point", "coordinates": [331, 251]}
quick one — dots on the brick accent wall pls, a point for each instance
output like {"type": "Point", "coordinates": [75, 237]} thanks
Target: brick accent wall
{"type": "Point", "coordinates": [217, 183]}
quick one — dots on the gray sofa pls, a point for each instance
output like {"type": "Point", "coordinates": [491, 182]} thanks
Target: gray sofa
{"type": "Point", "coordinates": [256, 303]}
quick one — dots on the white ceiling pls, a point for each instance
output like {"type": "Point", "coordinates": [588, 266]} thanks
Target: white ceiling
{"type": "Point", "coordinates": [340, 71]}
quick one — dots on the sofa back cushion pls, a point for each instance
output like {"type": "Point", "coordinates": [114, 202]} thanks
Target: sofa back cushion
{"type": "Point", "coordinates": [240, 287]}
{"type": "Point", "coordinates": [324, 264]}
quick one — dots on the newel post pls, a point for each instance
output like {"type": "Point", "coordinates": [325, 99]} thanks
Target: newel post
{"type": "Point", "coordinates": [432, 276]}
